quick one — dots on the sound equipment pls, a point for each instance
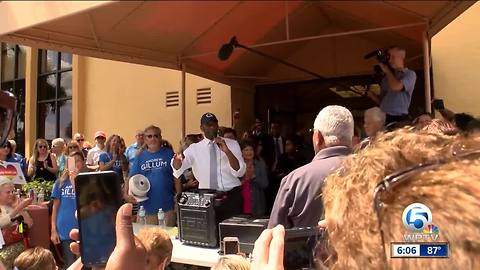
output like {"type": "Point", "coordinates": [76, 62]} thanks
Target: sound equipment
{"type": "Point", "coordinates": [196, 219]}
{"type": "Point", "coordinates": [246, 228]}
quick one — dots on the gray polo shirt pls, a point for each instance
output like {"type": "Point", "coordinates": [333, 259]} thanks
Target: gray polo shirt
{"type": "Point", "coordinates": [397, 103]}
{"type": "Point", "coordinates": [298, 202]}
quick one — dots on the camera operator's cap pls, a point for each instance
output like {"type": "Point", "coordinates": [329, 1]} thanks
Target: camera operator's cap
{"type": "Point", "coordinates": [100, 134]}
{"type": "Point", "coordinates": [138, 187]}
{"type": "Point", "coordinates": [207, 118]}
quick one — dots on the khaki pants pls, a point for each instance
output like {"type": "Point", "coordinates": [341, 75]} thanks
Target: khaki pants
{"type": "Point", "coordinates": [169, 219]}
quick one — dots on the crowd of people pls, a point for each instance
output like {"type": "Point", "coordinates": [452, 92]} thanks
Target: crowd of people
{"type": "Point", "coordinates": [339, 181]}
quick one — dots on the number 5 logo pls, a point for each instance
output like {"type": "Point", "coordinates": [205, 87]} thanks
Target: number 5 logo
{"type": "Point", "coordinates": [416, 216]}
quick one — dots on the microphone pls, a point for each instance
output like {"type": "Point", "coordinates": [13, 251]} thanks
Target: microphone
{"type": "Point", "coordinates": [227, 49]}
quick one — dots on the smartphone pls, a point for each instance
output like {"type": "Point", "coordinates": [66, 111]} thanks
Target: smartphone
{"type": "Point", "coordinates": [438, 104]}
{"type": "Point", "coordinates": [71, 164]}
{"type": "Point", "coordinates": [31, 194]}
{"type": "Point", "coordinates": [230, 245]}
{"type": "Point", "coordinates": [299, 246]}
{"type": "Point", "coordinates": [98, 196]}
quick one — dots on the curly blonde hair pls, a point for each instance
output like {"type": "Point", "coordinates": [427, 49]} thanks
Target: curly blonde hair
{"type": "Point", "coordinates": [451, 191]}
{"type": "Point", "coordinates": [158, 245]}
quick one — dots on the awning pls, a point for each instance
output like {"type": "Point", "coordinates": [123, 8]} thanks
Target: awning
{"type": "Point", "coordinates": [326, 37]}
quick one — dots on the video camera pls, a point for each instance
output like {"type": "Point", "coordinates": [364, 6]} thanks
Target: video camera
{"type": "Point", "coordinates": [381, 56]}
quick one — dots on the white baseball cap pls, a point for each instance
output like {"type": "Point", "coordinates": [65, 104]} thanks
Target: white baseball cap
{"type": "Point", "coordinates": [4, 180]}
{"type": "Point", "coordinates": [138, 187]}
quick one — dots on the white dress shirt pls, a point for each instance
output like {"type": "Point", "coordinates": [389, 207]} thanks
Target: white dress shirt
{"type": "Point", "coordinates": [197, 157]}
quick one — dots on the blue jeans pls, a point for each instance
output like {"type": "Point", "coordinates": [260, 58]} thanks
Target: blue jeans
{"type": "Point", "coordinates": [68, 257]}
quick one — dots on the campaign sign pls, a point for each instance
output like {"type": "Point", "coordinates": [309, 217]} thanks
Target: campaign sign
{"type": "Point", "coordinates": [13, 172]}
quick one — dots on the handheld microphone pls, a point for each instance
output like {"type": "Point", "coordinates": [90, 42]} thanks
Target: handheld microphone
{"type": "Point", "coordinates": [218, 136]}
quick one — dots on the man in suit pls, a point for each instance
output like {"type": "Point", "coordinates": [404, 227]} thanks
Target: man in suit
{"type": "Point", "coordinates": [273, 148]}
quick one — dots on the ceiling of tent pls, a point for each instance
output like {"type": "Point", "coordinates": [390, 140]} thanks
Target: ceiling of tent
{"type": "Point", "coordinates": [334, 35]}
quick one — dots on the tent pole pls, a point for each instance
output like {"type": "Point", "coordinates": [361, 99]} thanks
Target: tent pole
{"type": "Point", "coordinates": [183, 101]}
{"type": "Point", "coordinates": [426, 70]}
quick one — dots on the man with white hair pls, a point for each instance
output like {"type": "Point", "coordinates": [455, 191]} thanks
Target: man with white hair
{"type": "Point", "coordinates": [373, 121]}
{"type": "Point", "coordinates": [396, 88]}
{"type": "Point", "coordinates": [298, 203]}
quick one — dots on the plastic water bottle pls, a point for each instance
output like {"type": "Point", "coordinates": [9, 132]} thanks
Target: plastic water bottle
{"type": "Point", "coordinates": [18, 193]}
{"type": "Point", "coordinates": [41, 196]}
{"type": "Point", "coordinates": [161, 218]}
{"type": "Point", "coordinates": [141, 216]}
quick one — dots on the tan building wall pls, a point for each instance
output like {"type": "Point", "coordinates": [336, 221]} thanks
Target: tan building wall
{"type": "Point", "coordinates": [456, 60]}
{"type": "Point", "coordinates": [121, 97]}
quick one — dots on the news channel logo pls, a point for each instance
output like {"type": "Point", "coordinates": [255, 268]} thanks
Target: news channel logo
{"type": "Point", "coordinates": [417, 219]}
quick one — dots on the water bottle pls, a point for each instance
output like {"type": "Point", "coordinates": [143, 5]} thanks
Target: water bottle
{"type": "Point", "coordinates": [18, 194]}
{"type": "Point", "coordinates": [161, 218]}
{"type": "Point", "coordinates": [41, 196]}
{"type": "Point", "coordinates": [141, 216]}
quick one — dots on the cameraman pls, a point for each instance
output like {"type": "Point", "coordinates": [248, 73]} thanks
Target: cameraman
{"type": "Point", "coordinates": [396, 88]}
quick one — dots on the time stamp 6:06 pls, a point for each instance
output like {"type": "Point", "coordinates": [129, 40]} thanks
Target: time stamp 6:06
{"type": "Point", "coordinates": [419, 250]}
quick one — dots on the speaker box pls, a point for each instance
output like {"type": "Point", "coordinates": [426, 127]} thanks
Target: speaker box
{"type": "Point", "coordinates": [196, 220]}
{"type": "Point", "coordinates": [246, 228]}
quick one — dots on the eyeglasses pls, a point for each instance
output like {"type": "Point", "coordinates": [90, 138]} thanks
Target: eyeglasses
{"type": "Point", "coordinates": [42, 146]}
{"type": "Point", "coordinates": [153, 135]}
{"type": "Point", "coordinates": [387, 185]}
{"type": "Point", "coordinates": [81, 140]}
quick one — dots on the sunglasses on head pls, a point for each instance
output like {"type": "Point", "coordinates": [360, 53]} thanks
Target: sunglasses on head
{"type": "Point", "coordinates": [153, 135]}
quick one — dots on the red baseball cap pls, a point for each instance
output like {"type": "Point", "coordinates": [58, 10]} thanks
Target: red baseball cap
{"type": "Point", "coordinates": [100, 134]}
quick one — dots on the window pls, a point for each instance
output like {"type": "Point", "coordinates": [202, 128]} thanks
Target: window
{"type": "Point", "coordinates": [13, 80]}
{"type": "Point", "coordinates": [54, 95]}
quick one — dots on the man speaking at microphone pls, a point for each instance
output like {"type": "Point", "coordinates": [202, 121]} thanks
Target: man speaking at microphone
{"type": "Point", "coordinates": [217, 164]}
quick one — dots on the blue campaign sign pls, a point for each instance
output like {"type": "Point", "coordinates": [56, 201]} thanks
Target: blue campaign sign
{"type": "Point", "coordinates": [434, 250]}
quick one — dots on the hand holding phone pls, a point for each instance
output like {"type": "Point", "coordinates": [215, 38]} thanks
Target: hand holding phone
{"type": "Point", "coordinates": [438, 104]}
{"type": "Point", "coordinates": [128, 252]}
{"type": "Point", "coordinates": [71, 164]}
{"type": "Point", "coordinates": [98, 196]}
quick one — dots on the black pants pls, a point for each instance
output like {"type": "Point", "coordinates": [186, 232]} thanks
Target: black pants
{"type": "Point", "coordinates": [232, 204]}
{"type": "Point", "coordinates": [395, 118]}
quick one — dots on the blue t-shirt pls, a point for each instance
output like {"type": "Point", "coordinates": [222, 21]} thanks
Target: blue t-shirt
{"type": "Point", "coordinates": [156, 167]}
{"type": "Point", "coordinates": [397, 103]}
{"type": "Point", "coordinates": [66, 220]}
{"type": "Point", "coordinates": [117, 166]}
{"type": "Point", "coordinates": [130, 153]}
